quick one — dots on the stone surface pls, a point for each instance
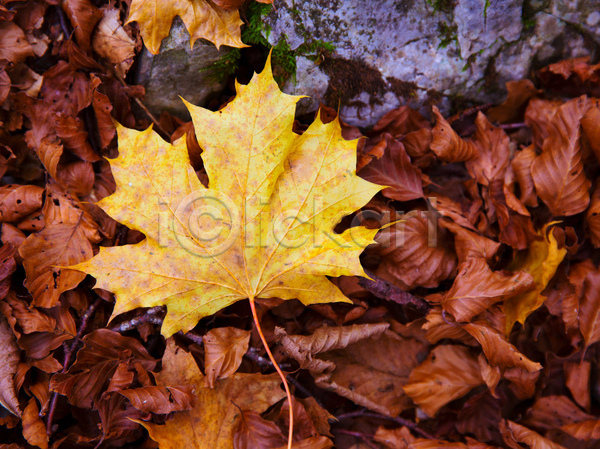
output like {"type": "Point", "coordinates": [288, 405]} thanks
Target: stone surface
{"type": "Point", "coordinates": [425, 54]}
{"type": "Point", "coordinates": [177, 71]}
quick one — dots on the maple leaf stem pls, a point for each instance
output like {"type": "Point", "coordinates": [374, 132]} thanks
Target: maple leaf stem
{"type": "Point", "coordinates": [276, 366]}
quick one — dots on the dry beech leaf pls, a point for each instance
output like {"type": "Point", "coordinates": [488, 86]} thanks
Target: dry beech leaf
{"type": "Point", "coordinates": [161, 400]}
{"type": "Point", "coordinates": [224, 348]}
{"type": "Point", "coordinates": [71, 131]}
{"type": "Point", "coordinates": [83, 16]}
{"type": "Point", "coordinates": [592, 218]}
{"type": "Point", "coordinates": [394, 438]}
{"type": "Point", "coordinates": [16, 202]}
{"type": "Point", "coordinates": [211, 424]}
{"type": "Point", "coordinates": [514, 433]}
{"type": "Point", "coordinates": [414, 254]}
{"type": "Point", "coordinates": [497, 349]}
{"type": "Point", "coordinates": [34, 430]}
{"type": "Point", "coordinates": [558, 173]}
{"type": "Point", "coordinates": [449, 373]}
{"type": "Point", "coordinates": [552, 412]}
{"type": "Point", "coordinates": [583, 430]}
{"type": "Point", "coordinates": [7, 267]}
{"type": "Point", "coordinates": [439, 327]}
{"type": "Point", "coordinates": [13, 43]}
{"type": "Point", "coordinates": [112, 42]}
{"type": "Point", "coordinates": [577, 380]}
{"type": "Point", "coordinates": [538, 115]}
{"type": "Point", "coordinates": [494, 152]}
{"type": "Point", "coordinates": [511, 109]}
{"type": "Point", "coordinates": [96, 363]}
{"type": "Point", "coordinates": [491, 374]}
{"type": "Point", "coordinates": [421, 443]}
{"type": "Point", "coordinates": [521, 165]}
{"type": "Point", "coordinates": [196, 265]}
{"type": "Point", "coordinates": [203, 19]}
{"type": "Point", "coordinates": [589, 309]}
{"type": "Point", "coordinates": [590, 127]}
{"type": "Point", "coordinates": [469, 244]}
{"type": "Point", "coordinates": [319, 442]}
{"type": "Point", "coordinates": [29, 319]}
{"type": "Point", "coordinates": [254, 432]}
{"type": "Point", "coordinates": [11, 355]}
{"type": "Point", "coordinates": [394, 169]}
{"type": "Point", "coordinates": [541, 261]}
{"type": "Point", "coordinates": [449, 146]}
{"type": "Point", "coordinates": [477, 287]}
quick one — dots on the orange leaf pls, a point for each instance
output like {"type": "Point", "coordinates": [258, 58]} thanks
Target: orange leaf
{"type": "Point", "coordinates": [448, 145]}
{"type": "Point", "coordinates": [476, 288]}
{"type": "Point", "coordinates": [10, 359]}
{"type": "Point", "coordinates": [254, 432]}
{"type": "Point", "coordinates": [449, 373]}
{"type": "Point", "coordinates": [558, 172]}
{"type": "Point", "coordinates": [224, 348]}
{"type": "Point", "coordinates": [514, 433]}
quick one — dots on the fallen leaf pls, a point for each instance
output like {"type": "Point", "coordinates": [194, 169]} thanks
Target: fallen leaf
{"type": "Point", "coordinates": [203, 19]}
{"type": "Point", "coordinates": [113, 43]}
{"type": "Point", "coordinates": [16, 202]}
{"type": "Point", "coordinates": [511, 109]}
{"type": "Point", "coordinates": [224, 348]}
{"type": "Point", "coordinates": [476, 288]}
{"type": "Point", "coordinates": [13, 43]}
{"type": "Point", "coordinates": [7, 267]}
{"type": "Point", "coordinates": [589, 309]}
{"type": "Point", "coordinates": [254, 432]}
{"type": "Point", "coordinates": [514, 433]}
{"type": "Point", "coordinates": [161, 400]}
{"type": "Point", "coordinates": [521, 164]}
{"type": "Point", "coordinates": [11, 355]}
{"type": "Point", "coordinates": [394, 169]}
{"type": "Point", "coordinates": [447, 145]}
{"type": "Point", "coordinates": [497, 349]}
{"type": "Point", "coordinates": [577, 380]}
{"type": "Point", "coordinates": [449, 373]}
{"type": "Point", "coordinates": [34, 430]}
{"type": "Point", "coordinates": [552, 412]}
{"type": "Point", "coordinates": [187, 255]}
{"type": "Point", "coordinates": [494, 152]}
{"type": "Point", "coordinates": [592, 218]}
{"type": "Point", "coordinates": [538, 115]}
{"type": "Point", "coordinates": [558, 173]}
{"type": "Point", "coordinates": [469, 244]}
{"type": "Point", "coordinates": [83, 16]}
{"type": "Point", "coordinates": [584, 430]}
{"type": "Point", "coordinates": [211, 424]}
{"type": "Point", "coordinates": [415, 253]}
{"type": "Point", "coordinates": [394, 438]}
{"type": "Point", "coordinates": [541, 261]}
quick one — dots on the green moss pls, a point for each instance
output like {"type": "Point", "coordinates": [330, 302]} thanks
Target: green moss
{"type": "Point", "coordinates": [441, 5]}
{"type": "Point", "coordinates": [448, 34]}
{"type": "Point", "coordinates": [283, 57]}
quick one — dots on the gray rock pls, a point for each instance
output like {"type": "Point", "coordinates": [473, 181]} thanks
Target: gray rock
{"type": "Point", "coordinates": [463, 50]}
{"type": "Point", "coordinates": [178, 71]}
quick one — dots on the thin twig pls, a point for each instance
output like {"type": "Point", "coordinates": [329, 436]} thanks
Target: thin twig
{"type": "Point", "coordinates": [404, 422]}
{"type": "Point", "coordinates": [365, 438]}
{"type": "Point", "coordinates": [512, 125]}
{"type": "Point", "coordinates": [469, 111]}
{"type": "Point", "coordinates": [69, 351]}
{"type": "Point", "coordinates": [149, 316]}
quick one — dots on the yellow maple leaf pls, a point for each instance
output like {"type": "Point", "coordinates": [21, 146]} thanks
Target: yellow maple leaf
{"type": "Point", "coordinates": [202, 18]}
{"type": "Point", "coordinates": [541, 261]}
{"type": "Point", "coordinates": [263, 229]}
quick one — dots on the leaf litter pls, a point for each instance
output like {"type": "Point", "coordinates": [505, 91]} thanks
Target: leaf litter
{"type": "Point", "coordinates": [470, 320]}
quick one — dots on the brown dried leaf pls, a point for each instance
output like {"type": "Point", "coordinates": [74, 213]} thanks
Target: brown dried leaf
{"type": "Point", "coordinates": [13, 43]}
{"type": "Point", "coordinates": [558, 172]}
{"type": "Point", "coordinates": [439, 327]}
{"type": "Point", "coordinates": [71, 131]}
{"type": "Point", "coordinates": [414, 254]}
{"type": "Point", "coordinates": [521, 164]}
{"type": "Point", "coordinates": [16, 202]}
{"type": "Point", "coordinates": [447, 145]}
{"type": "Point", "coordinates": [470, 245]}
{"type": "Point", "coordinates": [584, 430]}
{"type": "Point", "coordinates": [577, 380]}
{"type": "Point", "coordinates": [161, 400]}
{"type": "Point", "coordinates": [254, 432]}
{"type": "Point", "coordinates": [224, 348]}
{"type": "Point", "coordinates": [552, 412]}
{"type": "Point", "coordinates": [7, 267]}
{"type": "Point", "coordinates": [421, 443]}
{"type": "Point", "coordinates": [85, 381]}
{"type": "Point", "coordinates": [34, 430]}
{"type": "Point", "coordinates": [511, 109]}
{"type": "Point", "coordinates": [497, 349]}
{"type": "Point", "coordinates": [592, 218]}
{"type": "Point", "coordinates": [514, 433]}
{"type": "Point", "coordinates": [589, 309]}
{"type": "Point", "coordinates": [394, 438]}
{"type": "Point", "coordinates": [449, 373]}
{"type": "Point", "coordinates": [476, 288]}
{"type": "Point", "coordinates": [591, 128]}
{"type": "Point", "coordinates": [10, 355]}
{"type": "Point", "coordinates": [29, 319]}
{"type": "Point", "coordinates": [494, 152]}
{"type": "Point", "coordinates": [83, 16]}
{"type": "Point", "coordinates": [538, 115]}
{"type": "Point", "coordinates": [394, 169]}
{"type": "Point", "coordinates": [112, 42]}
